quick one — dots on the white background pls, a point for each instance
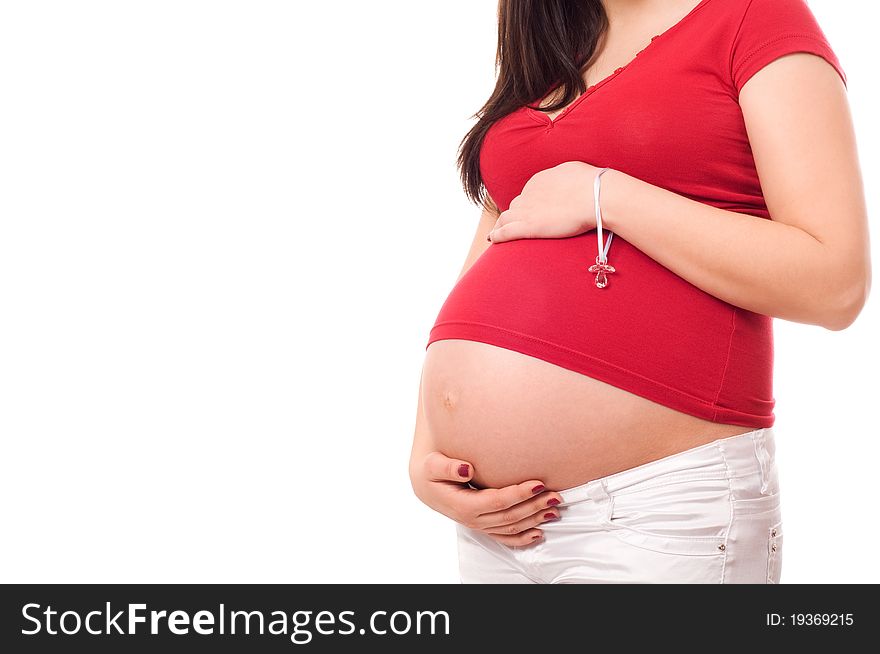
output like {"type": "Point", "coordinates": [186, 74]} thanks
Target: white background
{"type": "Point", "coordinates": [226, 229]}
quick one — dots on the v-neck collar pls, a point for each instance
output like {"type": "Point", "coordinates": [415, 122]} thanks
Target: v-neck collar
{"type": "Point", "coordinates": [544, 119]}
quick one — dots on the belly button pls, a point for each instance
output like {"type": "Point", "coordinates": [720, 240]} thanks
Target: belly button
{"type": "Point", "coordinates": [449, 399]}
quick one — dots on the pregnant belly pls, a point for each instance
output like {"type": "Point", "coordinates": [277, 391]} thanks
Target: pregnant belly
{"type": "Point", "coordinates": [517, 417]}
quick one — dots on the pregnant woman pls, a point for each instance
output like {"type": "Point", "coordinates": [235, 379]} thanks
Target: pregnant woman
{"type": "Point", "coordinates": [659, 179]}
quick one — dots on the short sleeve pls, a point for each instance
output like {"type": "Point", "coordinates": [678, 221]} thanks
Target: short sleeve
{"type": "Point", "coordinates": [771, 29]}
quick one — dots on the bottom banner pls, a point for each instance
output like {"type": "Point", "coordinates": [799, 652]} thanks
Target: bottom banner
{"type": "Point", "coordinates": [334, 618]}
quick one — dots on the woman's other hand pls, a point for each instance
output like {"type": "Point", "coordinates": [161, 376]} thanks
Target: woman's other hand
{"type": "Point", "coordinates": [509, 515]}
{"type": "Point", "coordinates": [555, 203]}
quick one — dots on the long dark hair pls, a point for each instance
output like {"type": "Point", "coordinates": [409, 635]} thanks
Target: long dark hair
{"type": "Point", "coordinates": [540, 43]}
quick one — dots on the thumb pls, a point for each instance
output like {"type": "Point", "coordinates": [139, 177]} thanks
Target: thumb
{"type": "Point", "coordinates": [442, 468]}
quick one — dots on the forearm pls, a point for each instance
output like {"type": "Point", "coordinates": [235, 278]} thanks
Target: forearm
{"type": "Point", "coordinates": [760, 265]}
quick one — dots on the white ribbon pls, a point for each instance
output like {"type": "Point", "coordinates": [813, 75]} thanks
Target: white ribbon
{"type": "Point", "coordinates": [597, 185]}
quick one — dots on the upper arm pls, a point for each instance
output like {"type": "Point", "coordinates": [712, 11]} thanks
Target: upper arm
{"type": "Point", "coordinates": [488, 218]}
{"type": "Point", "coordinates": [800, 128]}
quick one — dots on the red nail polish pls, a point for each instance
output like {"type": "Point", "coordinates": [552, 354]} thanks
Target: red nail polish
{"type": "Point", "coordinates": [550, 516]}
{"type": "Point", "coordinates": [552, 501]}
{"type": "Point", "coordinates": [537, 489]}
{"type": "Point", "coordinates": [536, 536]}
{"type": "Point", "coordinates": [463, 470]}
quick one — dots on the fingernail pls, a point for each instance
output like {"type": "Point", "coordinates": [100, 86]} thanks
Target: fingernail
{"type": "Point", "coordinates": [552, 501]}
{"type": "Point", "coordinates": [537, 489]}
{"type": "Point", "coordinates": [536, 536]}
{"type": "Point", "coordinates": [463, 470]}
{"type": "Point", "coordinates": [551, 516]}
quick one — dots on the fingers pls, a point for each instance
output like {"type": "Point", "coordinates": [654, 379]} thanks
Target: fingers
{"type": "Point", "coordinates": [509, 214]}
{"type": "Point", "coordinates": [529, 537]}
{"type": "Point", "coordinates": [513, 230]}
{"type": "Point", "coordinates": [501, 220]}
{"type": "Point", "coordinates": [512, 225]}
{"type": "Point", "coordinates": [504, 218]}
{"type": "Point", "coordinates": [542, 516]}
{"type": "Point", "coordinates": [492, 500]}
{"type": "Point", "coordinates": [524, 515]}
{"type": "Point", "coordinates": [443, 468]}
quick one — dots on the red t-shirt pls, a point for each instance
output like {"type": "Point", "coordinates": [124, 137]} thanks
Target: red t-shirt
{"type": "Point", "coordinates": [670, 117]}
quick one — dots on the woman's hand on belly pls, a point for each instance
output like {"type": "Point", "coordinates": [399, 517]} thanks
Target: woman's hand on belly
{"type": "Point", "coordinates": [509, 515]}
{"type": "Point", "coordinates": [555, 203]}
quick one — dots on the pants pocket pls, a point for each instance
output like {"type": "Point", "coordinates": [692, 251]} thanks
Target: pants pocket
{"type": "Point", "coordinates": [774, 553]}
{"type": "Point", "coordinates": [754, 544]}
{"type": "Point", "coordinates": [688, 517]}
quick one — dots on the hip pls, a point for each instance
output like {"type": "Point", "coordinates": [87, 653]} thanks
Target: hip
{"type": "Point", "coordinates": [710, 514]}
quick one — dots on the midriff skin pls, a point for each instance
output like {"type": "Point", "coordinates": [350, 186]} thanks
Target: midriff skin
{"type": "Point", "coordinates": [517, 417]}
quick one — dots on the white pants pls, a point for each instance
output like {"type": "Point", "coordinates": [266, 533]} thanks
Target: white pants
{"type": "Point", "coordinates": [710, 514]}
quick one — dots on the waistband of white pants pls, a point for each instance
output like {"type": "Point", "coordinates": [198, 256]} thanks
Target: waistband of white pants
{"type": "Point", "coordinates": [734, 456]}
